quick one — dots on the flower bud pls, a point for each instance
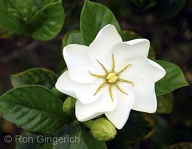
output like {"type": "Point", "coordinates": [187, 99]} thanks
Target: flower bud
{"type": "Point", "coordinates": [103, 130]}
{"type": "Point", "coordinates": [69, 105]}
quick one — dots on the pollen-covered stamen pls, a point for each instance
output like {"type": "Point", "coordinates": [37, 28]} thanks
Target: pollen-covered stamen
{"type": "Point", "coordinates": [122, 70]}
{"type": "Point", "coordinates": [97, 75]}
{"type": "Point", "coordinates": [106, 72]}
{"type": "Point", "coordinates": [100, 87]}
{"type": "Point", "coordinates": [126, 81]}
{"type": "Point", "coordinates": [113, 63]}
{"type": "Point", "coordinates": [110, 92]}
{"type": "Point", "coordinates": [120, 89]}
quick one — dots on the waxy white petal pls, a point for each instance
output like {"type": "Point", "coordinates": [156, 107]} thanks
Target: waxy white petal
{"type": "Point", "coordinates": [145, 98]}
{"type": "Point", "coordinates": [104, 42]}
{"type": "Point", "coordinates": [83, 92]}
{"type": "Point", "coordinates": [78, 63]}
{"type": "Point", "coordinates": [104, 104]}
{"type": "Point", "coordinates": [120, 115]}
{"type": "Point", "coordinates": [108, 54]}
{"type": "Point", "coordinates": [65, 85]}
{"type": "Point", "coordinates": [161, 73]}
{"type": "Point", "coordinates": [137, 47]}
{"type": "Point", "coordinates": [143, 66]}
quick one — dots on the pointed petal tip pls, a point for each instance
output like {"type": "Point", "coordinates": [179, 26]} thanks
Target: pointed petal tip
{"type": "Point", "coordinates": [139, 40]}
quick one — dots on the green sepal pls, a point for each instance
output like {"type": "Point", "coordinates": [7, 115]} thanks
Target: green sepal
{"type": "Point", "coordinates": [80, 138]}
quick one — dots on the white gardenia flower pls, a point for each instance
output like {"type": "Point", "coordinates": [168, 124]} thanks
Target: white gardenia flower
{"type": "Point", "coordinates": [110, 77]}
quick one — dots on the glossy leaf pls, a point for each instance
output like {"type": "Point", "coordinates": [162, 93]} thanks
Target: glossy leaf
{"type": "Point", "coordinates": [173, 80]}
{"type": "Point", "coordinates": [34, 76]}
{"type": "Point", "coordinates": [8, 21]}
{"type": "Point", "coordinates": [23, 10]}
{"type": "Point", "coordinates": [165, 103]}
{"type": "Point", "coordinates": [94, 17]}
{"type": "Point", "coordinates": [80, 138]}
{"type": "Point", "coordinates": [27, 140]}
{"type": "Point", "coordinates": [138, 127]}
{"type": "Point", "coordinates": [47, 22]}
{"type": "Point", "coordinates": [42, 3]}
{"type": "Point", "coordinates": [47, 146]}
{"type": "Point", "coordinates": [73, 37]}
{"type": "Point", "coordinates": [33, 108]}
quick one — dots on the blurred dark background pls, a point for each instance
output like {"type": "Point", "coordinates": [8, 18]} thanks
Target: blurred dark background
{"type": "Point", "coordinates": [166, 23]}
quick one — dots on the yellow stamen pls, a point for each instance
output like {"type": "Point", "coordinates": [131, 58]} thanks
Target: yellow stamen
{"type": "Point", "coordinates": [96, 75]}
{"type": "Point", "coordinates": [113, 63]}
{"type": "Point", "coordinates": [126, 81]}
{"type": "Point", "coordinates": [122, 70]}
{"type": "Point", "coordinates": [100, 87]}
{"type": "Point", "coordinates": [111, 78]}
{"type": "Point", "coordinates": [110, 92]}
{"type": "Point", "coordinates": [106, 72]}
{"type": "Point", "coordinates": [121, 90]}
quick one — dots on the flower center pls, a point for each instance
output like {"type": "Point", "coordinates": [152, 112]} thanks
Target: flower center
{"type": "Point", "coordinates": [111, 78]}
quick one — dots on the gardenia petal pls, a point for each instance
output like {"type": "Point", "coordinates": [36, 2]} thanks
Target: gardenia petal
{"type": "Point", "coordinates": [145, 98]}
{"type": "Point", "coordinates": [124, 50]}
{"type": "Point", "coordinates": [83, 92]}
{"type": "Point", "coordinates": [104, 42]}
{"type": "Point", "coordinates": [120, 115]}
{"type": "Point", "coordinates": [104, 104]}
{"type": "Point", "coordinates": [163, 72]}
{"type": "Point", "coordinates": [143, 66]}
{"type": "Point", "coordinates": [78, 63]}
{"type": "Point", "coordinates": [65, 85]}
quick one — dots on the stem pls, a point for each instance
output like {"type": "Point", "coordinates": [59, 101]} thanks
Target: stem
{"type": "Point", "coordinates": [88, 124]}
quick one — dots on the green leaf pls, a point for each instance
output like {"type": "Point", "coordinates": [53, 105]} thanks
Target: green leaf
{"type": "Point", "coordinates": [73, 37]}
{"type": "Point", "coordinates": [47, 22]}
{"type": "Point", "coordinates": [94, 17]}
{"type": "Point", "coordinates": [173, 79]}
{"type": "Point", "coordinates": [165, 103]}
{"type": "Point", "coordinates": [4, 34]}
{"type": "Point", "coordinates": [182, 145]}
{"type": "Point", "coordinates": [79, 138]}
{"type": "Point", "coordinates": [138, 127]}
{"type": "Point", "coordinates": [8, 21]}
{"type": "Point", "coordinates": [33, 108]}
{"type": "Point", "coordinates": [22, 10]}
{"type": "Point", "coordinates": [34, 76]}
{"type": "Point", "coordinates": [47, 146]}
{"type": "Point", "coordinates": [41, 3]}
{"type": "Point", "coordinates": [27, 140]}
